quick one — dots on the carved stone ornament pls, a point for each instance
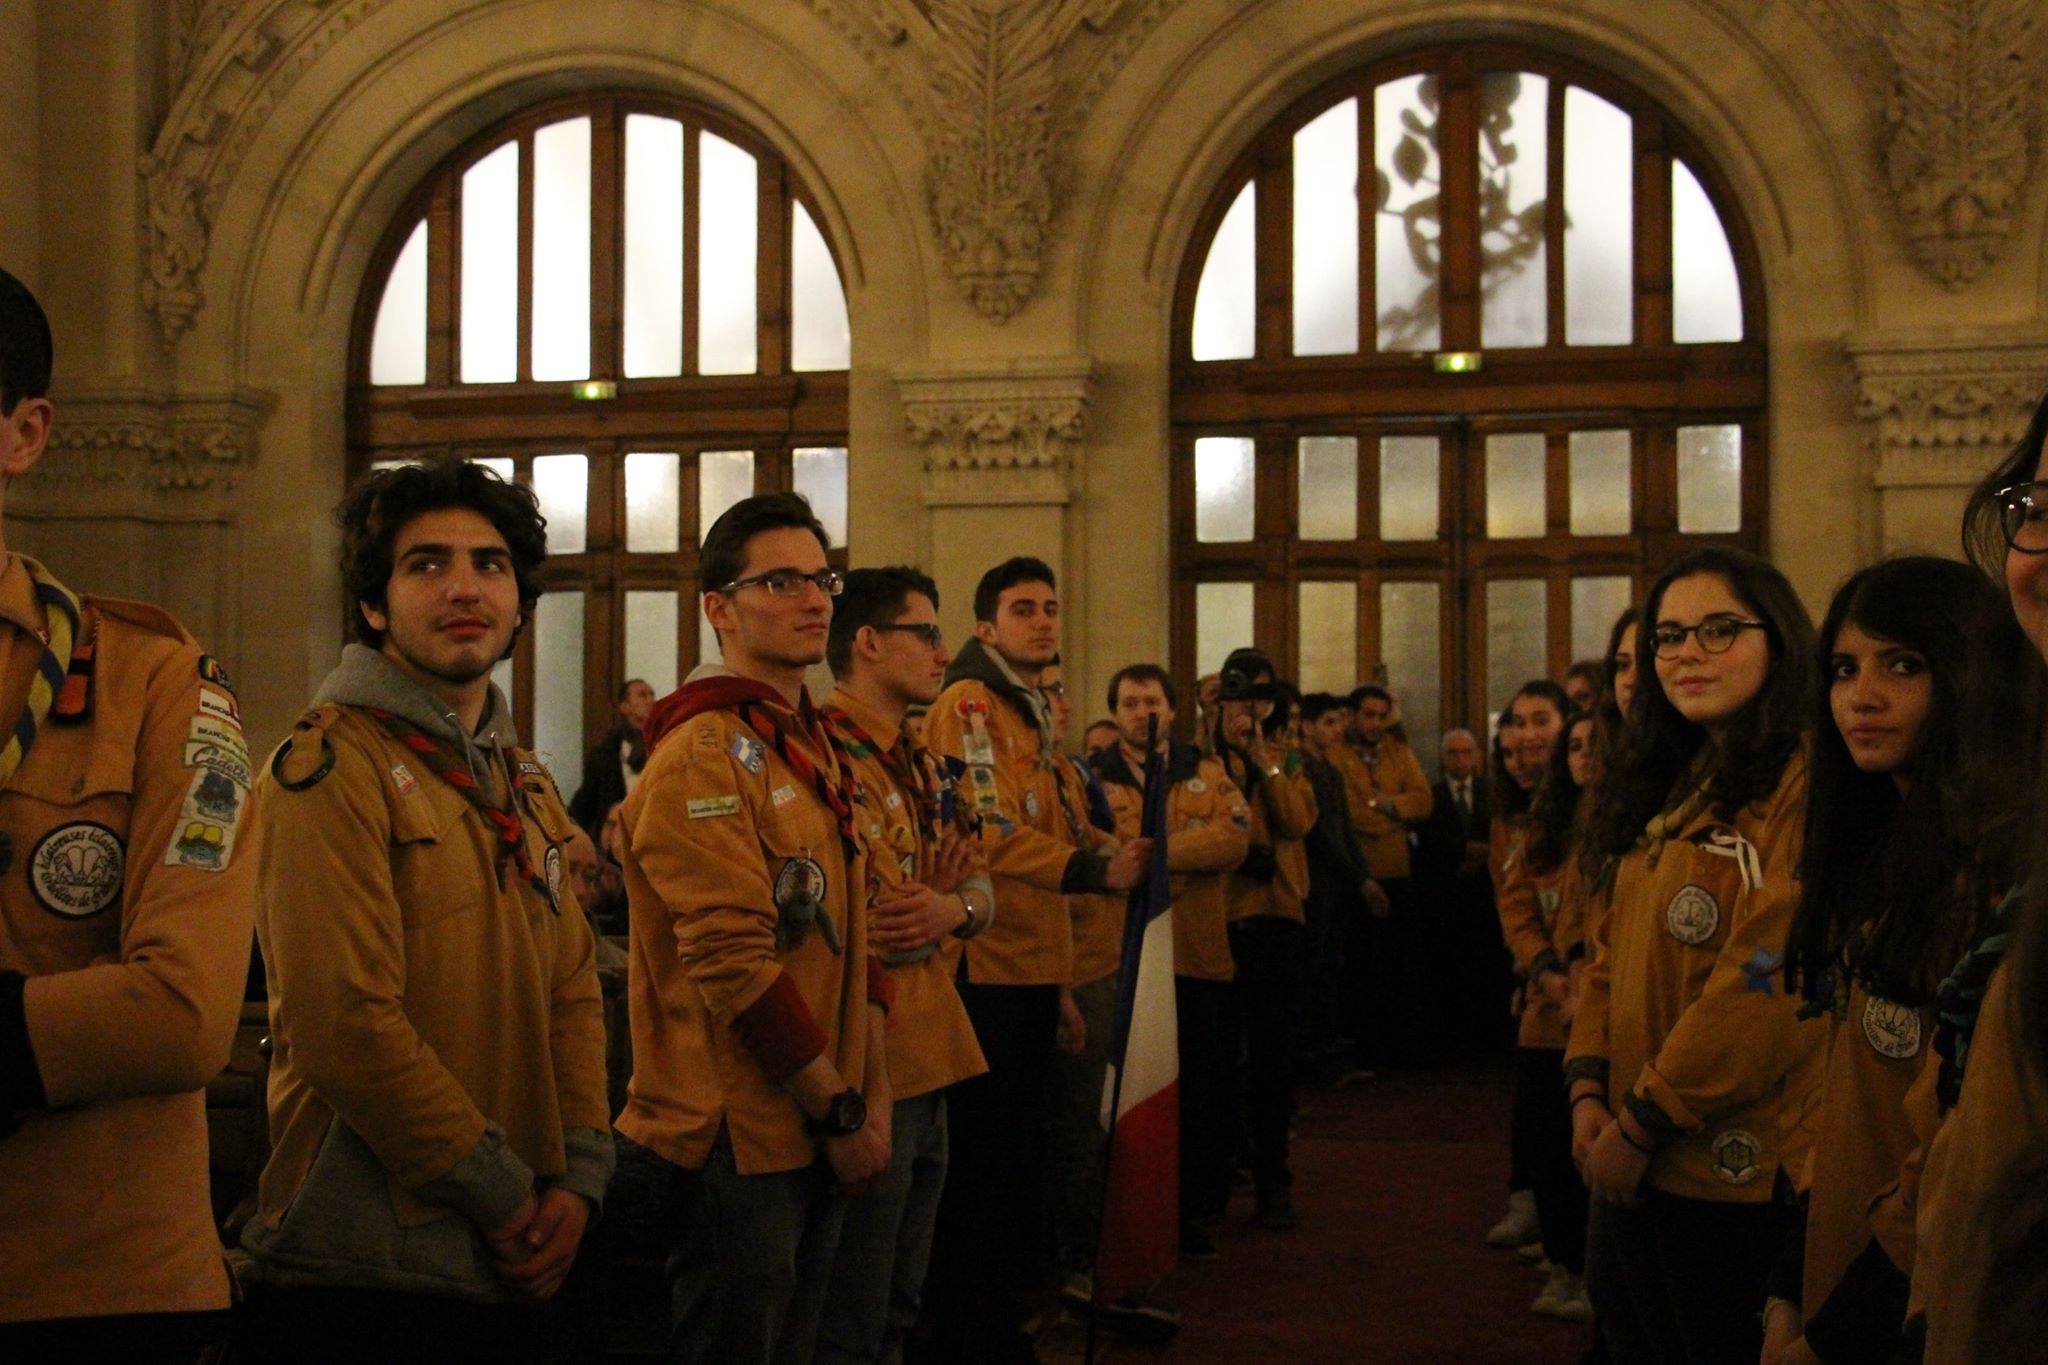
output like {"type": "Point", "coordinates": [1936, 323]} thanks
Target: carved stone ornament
{"type": "Point", "coordinates": [1962, 105]}
{"type": "Point", "coordinates": [998, 89]}
{"type": "Point", "coordinates": [994, 436]}
{"type": "Point", "coordinates": [1946, 414]}
{"type": "Point", "coordinates": [143, 455]}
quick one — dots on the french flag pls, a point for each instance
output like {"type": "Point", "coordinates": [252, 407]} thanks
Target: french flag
{"type": "Point", "coordinates": [1140, 1236]}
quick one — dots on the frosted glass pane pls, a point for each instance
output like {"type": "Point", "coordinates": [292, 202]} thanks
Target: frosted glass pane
{"type": "Point", "coordinates": [1709, 480]}
{"type": "Point", "coordinates": [728, 208]}
{"type": "Point", "coordinates": [490, 268]}
{"type": "Point", "coordinates": [1409, 223]}
{"type": "Point", "coordinates": [558, 686]}
{"type": "Point", "coordinates": [1706, 295]}
{"type": "Point", "coordinates": [1223, 622]}
{"type": "Point", "coordinates": [1600, 483]}
{"type": "Point", "coordinates": [1515, 485]}
{"type": "Point", "coordinates": [1408, 487]}
{"type": "Point", "coordinates": [1328, 487]}
{"type": "Point", "coordinates": [723, 478]}
{"type": "Point", "coordinates": [398, 343]}
{"type": "Point", "coordinates": [1329, 637]}
{"type": "Point", "coordinates": [654, 512]}
{"type": "Point", "coordinates": [1596, 604]}
{"type": "Point", "coordinates": [497, 464]}
{"type": "Point", "coordinates": [820, 475]}
{"type": "Point", "coordinates": [654, 246]}
{"type": "Point", "coordinates": [1517, 637]}
{"type": "Point", "coordinates": [561, 250]}
{"type": "Point", "coordinates": [1409, 625]}
{"type": "Point", "coordinates": [1225, 299]}
{"type": "Point", "coordinates": [1599, 231]}
{"type": "Point", "coordinates": [1514, 175]}
{"type": "Point", "coordinates": [562, 484]}
{"type": "Point", "coordinates": [1223, 488]}
{"type": "Point", "coordinates": [651, 639]}
{"type": "Point", "coordinates": [819, 337]}
{"type": "Point", "coordinates": [1326, 233]}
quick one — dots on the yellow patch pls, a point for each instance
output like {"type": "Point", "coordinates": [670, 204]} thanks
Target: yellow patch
{"type": "Point", "coordinates": [705, 807]}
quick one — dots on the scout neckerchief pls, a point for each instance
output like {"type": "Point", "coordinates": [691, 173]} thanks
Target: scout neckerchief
{"type": "Point", "coordinates": [451, 767]}
{"type": "Point", "coordinates": [60, 611]}
{"type": "Point", "coordinates": [899, 760]}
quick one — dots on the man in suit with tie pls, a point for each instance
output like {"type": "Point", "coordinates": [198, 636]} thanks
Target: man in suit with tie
{"type": "Point", "coordinates": [1463, 943]}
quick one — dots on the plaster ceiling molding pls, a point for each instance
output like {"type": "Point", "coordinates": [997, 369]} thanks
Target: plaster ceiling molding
{"type": "Point", "coordinates": [998, 90]}
{"type": "Point", "coordinates": [998, 435]}
{"type": "Point", "coordinates": [1945, 414]}
{"type": "Point", "coordinates": [233, 61]}
{"type": "Point", "coordinates": [1962, 98]}
{"type": "Point", "coordinates": [143, 454]}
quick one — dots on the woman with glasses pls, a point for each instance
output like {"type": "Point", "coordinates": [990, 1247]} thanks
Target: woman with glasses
{"type": "Point", "coordinates": [1689, 1068]}
{"type": "Point", "coordinates": [1979, 1271]}
{"type": "Point", "coordinates": [1901, 854]}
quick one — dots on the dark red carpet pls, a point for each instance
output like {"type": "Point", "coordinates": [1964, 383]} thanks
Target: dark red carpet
{"type": "Point", "coordinates": [1396, 1180]}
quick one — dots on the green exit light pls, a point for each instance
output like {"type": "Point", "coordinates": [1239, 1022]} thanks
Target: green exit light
{"type": "Point", "coordinates": [594, 390]}
{"type": "Point", "coordinates": [1458, 362]}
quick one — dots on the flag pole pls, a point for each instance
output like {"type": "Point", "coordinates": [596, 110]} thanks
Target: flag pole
{"type": "Point", "coordinates": [1152, 815]}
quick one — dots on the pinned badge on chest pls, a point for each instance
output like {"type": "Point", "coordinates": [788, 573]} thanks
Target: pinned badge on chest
{"type": "Point", "coordinates": [1891, 1029]}
{"type": "Point", "coordinates": [553, 864]}
{"type": "Point", "coordinates": [800, 905]}
{"type": "Point", "coordinates": [1030, 805]}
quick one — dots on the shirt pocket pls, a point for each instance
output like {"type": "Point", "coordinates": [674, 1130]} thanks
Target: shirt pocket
{"type": "Point", "coordinates": [438, 856]}
{"type": "Point", "coordinates": [65, 822]}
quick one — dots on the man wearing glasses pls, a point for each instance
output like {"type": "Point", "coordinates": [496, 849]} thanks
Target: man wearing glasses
{"type": "Point", "coordinates": [928, 892]}
{"type": "Point", "coordinates": [757, 1009]}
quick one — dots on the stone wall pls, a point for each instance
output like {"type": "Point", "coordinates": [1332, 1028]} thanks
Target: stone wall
{"type": "Point", "coordinates": [1011, 189]}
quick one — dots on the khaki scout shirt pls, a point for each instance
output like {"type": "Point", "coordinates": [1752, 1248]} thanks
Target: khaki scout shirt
{"type": "Point", "coordinates": [1028, 831]}
{"type": "Point", "coordinates": [1394, 780]}
{"type": "Point", "coordinates": [1283, 811]}
{"type": "Point", "coordinates": [134, 938]}
{"type": "Point", "coordinates": [415, 1003]}
{"type": "Point", "coordinates": [723, 840]}
{"type": "Point", "coordinates": [1685, 999]}
{"type": "Point", "coordinates": [1208, 829]}
{"type": "Point", "coordinates": [1097, 916]}
{"type": "Point", "coordinates": [1529, 903]}
{"type": "Point", "coordinates": [930, 1043]}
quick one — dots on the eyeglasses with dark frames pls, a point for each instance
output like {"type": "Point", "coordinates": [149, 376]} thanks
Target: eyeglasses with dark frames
{"type": "Point", "coordinates": [1716, 635]}
{"type": "Point", "coordinates": [783, 582]}
{"type": "Point", "coordinates": [930, 635]}
{"type": "Point", "coordinates": [2023, 516]}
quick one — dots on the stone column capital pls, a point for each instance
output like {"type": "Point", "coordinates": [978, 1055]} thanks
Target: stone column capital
{"type": "Point", "coordinates": [998, 433]}
{"type": "Point", "coordinates": [143, 454]}
{"type": "Point", "coordinates": [1945, 410]}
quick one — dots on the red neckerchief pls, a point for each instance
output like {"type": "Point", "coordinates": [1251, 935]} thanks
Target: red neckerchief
{"type": "Point", "coordinates": [769, 716]}
{"type": "Point", "coordinates": [901, 763]}
{"type": "Point", "coordinates": [451, 767]}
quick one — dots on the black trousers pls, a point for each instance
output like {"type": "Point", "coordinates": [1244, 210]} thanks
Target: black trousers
{"type": "Point", "coordinates": [989, 1249]}
{"type": "Point", "coordinates": [1267, 950]}
{"type": "Point", "coordinates": [1678, 1281]}
{"type": "Point", "coordinates": [1543, 1152]}
{"type": "Point", "coordinates": [333, 1326]}
{"type": "Point", "coordinates": [1391, 1007]}
{"type": "Point", "coordinates": [1207, 1013]}
{"type": "Point", "coordinates": [147, 1338]}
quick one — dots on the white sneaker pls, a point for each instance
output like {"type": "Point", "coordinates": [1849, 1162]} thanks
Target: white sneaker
{"type": "Point", "coordinates": [1532, 1255]}
{"type": "Point", "coordinates": [1518, 1226]}
{"type": "Point", "coordinates": [1564, 1296]}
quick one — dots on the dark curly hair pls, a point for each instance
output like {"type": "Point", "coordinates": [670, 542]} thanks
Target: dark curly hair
{"type": "Point", "coordinates": [1659, 746]}
{"type": "Point", "coordinates": [385, 501]}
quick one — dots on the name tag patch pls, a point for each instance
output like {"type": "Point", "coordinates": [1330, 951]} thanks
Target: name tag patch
{"type": "Point", "coordinates": [707, 807]}
{"type": "Point", "coordinates": [219, 705]}
{"type": "Point", "coordinates": [782, 795]}
{"type": "Point", "coordinates": [75, 870]}
{"type": "Point", "coordinates": [402, 775]}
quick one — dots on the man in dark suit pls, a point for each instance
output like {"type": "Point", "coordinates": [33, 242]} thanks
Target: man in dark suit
{"type": "Point", "coordinates": [1465, 951]}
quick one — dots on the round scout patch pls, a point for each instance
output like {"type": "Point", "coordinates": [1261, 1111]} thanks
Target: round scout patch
{"type": "Point", "coordinates": [1693, 915]}
{"type": "Point", "coordinates": [1196, 786]}
{"type": "Point", "coordinates": [553, 865]}
{"type": "Point", "coordinates": [800, 886]}
{"type": "Point", "coordinates": [1735, 1155]}
{"type": "Point", "coordinates": [1891, 1028]}
{"type": "Point", "coordinates": [75, 870]}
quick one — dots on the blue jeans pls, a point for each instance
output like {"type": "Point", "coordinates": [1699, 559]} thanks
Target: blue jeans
{"type": "Point", "coordinates": [748, 1271]}
{"type": "Point", "coordinates": [877, 1282]}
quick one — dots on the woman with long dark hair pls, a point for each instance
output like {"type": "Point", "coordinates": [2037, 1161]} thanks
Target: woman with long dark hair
{"type": "Point", "coordinates": [1898, 860]}
{"type": "Point", "coordinates": [1688, 1064]}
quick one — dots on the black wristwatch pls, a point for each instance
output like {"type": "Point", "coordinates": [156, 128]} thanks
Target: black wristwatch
{"type": "Point", "coordinates": [846, 1115]}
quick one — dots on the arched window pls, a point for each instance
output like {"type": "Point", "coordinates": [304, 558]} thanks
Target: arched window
{"type": "Point", "coordinates": [1468, 346]}
{"type": "Point", "coordinates": [626, 303]}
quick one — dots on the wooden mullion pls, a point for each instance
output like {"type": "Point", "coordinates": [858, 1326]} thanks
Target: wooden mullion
{"type": "Point", "coordinates": [1458, 158]}
{"type": "Point", "coordinates": [444, 238]}
{"type": "Point", "coordinates": [692, 209]}
{"type": "Point", "coordinates": [773, 273]}
{"type": "Point", "coordinates": [1372, 638]}
{"type": "Point", "coordinates": [1368, 226]}
{"type": "Point", "coordinates": [524, 284]}
{"type": "Point", "coordinates": [607, 241]}
{"type": "Point", "coordinates": [1368, 492]}
{"type": "Point", "coordinates": [1273, 250]}
{"type": "Point", "coordinates": [1557, 623]}
{"type": "Point", "coordinates": [1554, 214]}
{"type": "Point", "coordinates": [1756, 485]}
{"type": "Point", "coordinates": [1557, 498]}
{"type": "Point", "coordinates": [1653, 233]}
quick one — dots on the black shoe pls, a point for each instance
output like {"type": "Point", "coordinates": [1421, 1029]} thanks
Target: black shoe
{"type": "Point", "coordinates": [1197, 1245]}
{"type": "Point", "coordinates": [1276, 1210]}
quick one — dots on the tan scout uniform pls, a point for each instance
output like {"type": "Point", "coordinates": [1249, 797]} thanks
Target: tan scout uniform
{"type": "Point", "coordinates": [134, 941]}
{"type": "Point", "coordinates": [930, 1043]}
{"type": "Point", "coordinates": [1683, 1013]}
{"type": "Point", "coordinates": [1283, 811]}
{"type": "Point", "coordinates": [1529, 904]}
{"type": "Point", "coordinates": [436, 1017]}
{"type": "Point", "coordinates": [1208, 829]}
{"type": "Point", "coordinates": [1035, 847]}
{"type": "Point", "coordinates": [1098, 917]}
{"type": "Point", "coordinates": [739, 886]}
{"type": "Point", "coordinates": [1387, 795]}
